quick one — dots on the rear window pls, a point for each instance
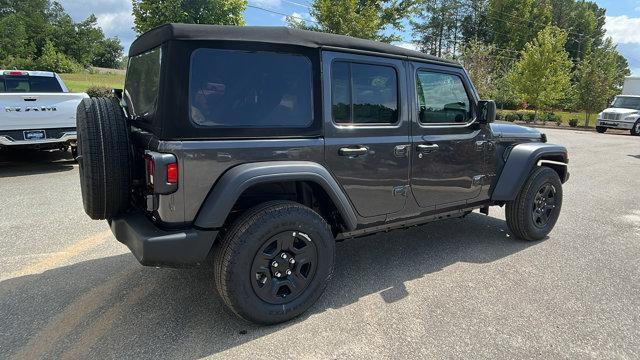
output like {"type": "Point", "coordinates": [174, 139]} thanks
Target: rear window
{"type": "Point", "coordinates": [233, 88]}
{"type": "Point", "coordinates": [23, 84]}
{"type": "Point", "coordinates": [141, 85]}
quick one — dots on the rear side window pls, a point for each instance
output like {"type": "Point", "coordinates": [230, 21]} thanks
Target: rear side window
{"type": "Point", "coordinates": [233, 88]}
{"type": "Point", "coordinates": [23, 84]}
{"type": "Point", "coordinates": [442, 99]}
{"type": "Point", "coordinates": [364, 94]}
{"type": "Point", "coordinates": [141, 85]}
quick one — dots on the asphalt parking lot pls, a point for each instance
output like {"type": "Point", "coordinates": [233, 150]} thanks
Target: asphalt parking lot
{"type": "Point", "coordinates": [455, 289]}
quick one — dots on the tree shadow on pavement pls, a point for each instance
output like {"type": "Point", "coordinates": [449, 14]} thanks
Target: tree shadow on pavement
{"type": "Point", "coordinates": [114, 308]}
{"type": "Point", "coordinates": [21, 162]}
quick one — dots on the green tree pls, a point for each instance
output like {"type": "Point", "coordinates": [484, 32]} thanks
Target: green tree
{"type": "Point", "coordinates": [108, 54]}
{"type": "Point", "coordinates": [14, 40]}
{"type": "Point", "coordinates": [541, 77]}
{"type": "Point", "coordinates": [598, 76]}
{"type": "Point", "coordinates": [365, 19]}
{"type": "Point", "coordinates": [151, 13]}
{"type": "Point", "coordinates": [483, 67]}
{"type": "Point", "coordinates": [53, 60]}
{"type": "Point", "coordinates": [437, 28]}
{"type": "Point", "coordinates": [513, 23]}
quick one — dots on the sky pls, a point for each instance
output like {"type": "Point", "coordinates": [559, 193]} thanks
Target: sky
{"type": "Point", "coordinates": [114, 16]}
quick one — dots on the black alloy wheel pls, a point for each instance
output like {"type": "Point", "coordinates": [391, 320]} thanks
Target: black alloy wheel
{"type": "Point", "coordinates": [284, 267]}
{"type": "Point", "coordinates": [274, 261]}
{"type": "Point", "coordinates": [533, 213]}
{"type": "Point", "coordinates": [544, 205]}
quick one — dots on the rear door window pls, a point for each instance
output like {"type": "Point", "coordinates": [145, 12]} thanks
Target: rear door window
{"type": "Point", "coordinates": [257, 89]}
{"type": "Point", "coordinates": [364, 94]}
{"type": "Point", "coordinates": [24, 84]}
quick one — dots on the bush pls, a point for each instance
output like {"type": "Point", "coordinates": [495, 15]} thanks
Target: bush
{"type": "Point", "coordinates": [558, 121]}
{"type": "Point", "coordinates": [530, 117]}
{"type": "Point", "coordinates": [53, 60]}
{"type": "Point", "coordinates": [500, 115]}
{"type": "Point", "coordinates": [99, 91]}
{"type": "Point", "coordinates": [511, 117]}
{"type": "Point", "coordinates": [573, 122]}
{"type": "Point", "coordinates": [552, 117]}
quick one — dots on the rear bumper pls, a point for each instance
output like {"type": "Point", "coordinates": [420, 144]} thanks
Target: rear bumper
{"type": "Point", "coordinates": [153, 246]}
{"type": "Point", "coordinates": [54, 136]}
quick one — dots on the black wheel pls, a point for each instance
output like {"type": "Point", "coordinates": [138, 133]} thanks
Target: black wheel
{"type": "Point", "coordinates": [274, 262]}
{"type": "Point", "coordinates": [601, 129]}
{"type": "Point", "coordinates": [534, 212]}
{"type": "Point", "coordinates": [74, 152]}
{"type": "Point", "coordinates": [635, 130]}
{"type": "Point", "coordinates": [103, 157]}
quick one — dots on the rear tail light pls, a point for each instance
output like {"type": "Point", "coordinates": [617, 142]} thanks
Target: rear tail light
{"type": "Point", "coordinates": [149, 165]}
{"type": "Point", "coordinates": [161, 172]}
{"type": "Point", "coordinates": [172, 173]}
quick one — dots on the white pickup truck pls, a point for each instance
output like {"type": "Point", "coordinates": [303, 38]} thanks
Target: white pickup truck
{"type": "Point", "coordinates": [37, 111]}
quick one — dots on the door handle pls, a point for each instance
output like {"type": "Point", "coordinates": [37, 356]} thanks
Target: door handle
{"type": "Point", "coordinates": [422, 148]}
{"type": "Point", "coordinates": [353, 151]}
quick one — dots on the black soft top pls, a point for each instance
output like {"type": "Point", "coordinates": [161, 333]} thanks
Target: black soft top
{"type": "Point", "coordinates": [269, 34]}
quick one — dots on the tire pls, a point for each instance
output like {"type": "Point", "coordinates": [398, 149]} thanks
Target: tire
{"type": "Point", "coordinates": [635, 130]}
{"type": "Point", "coordinates": [74, 152]}
{"type": "Point", "coordinates": [243, 262]}
{"type": "Point", "coordinates": [601, 129]}
{"type": "Point", "coordinates": [524, 219]}
{"type": "Point", "coordinates": [103, 157]}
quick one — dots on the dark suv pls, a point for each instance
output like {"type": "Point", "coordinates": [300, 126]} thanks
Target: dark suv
{"type": "Point", "coordinates": [255, 148]}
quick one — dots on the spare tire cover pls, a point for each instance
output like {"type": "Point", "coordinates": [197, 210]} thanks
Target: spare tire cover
{"type": "Point", "coordinates": [104, 157]}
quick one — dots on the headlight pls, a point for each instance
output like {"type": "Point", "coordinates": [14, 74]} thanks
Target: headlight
{"type": "Point", "coordinates": [631, 117]}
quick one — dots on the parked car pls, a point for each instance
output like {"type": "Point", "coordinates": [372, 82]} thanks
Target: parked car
{"type": "Point", "coordinates": [624, 113]}
{"type": "Point", "coordinates": [38, 111]}
{"type": "Point", "coordinates": [254, 148]}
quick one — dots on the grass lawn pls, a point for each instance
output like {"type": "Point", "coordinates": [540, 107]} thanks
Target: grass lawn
{"type": "Point", "coordinates": [79, 82]}
{"type": "Point", "coordinates": [565, 116]}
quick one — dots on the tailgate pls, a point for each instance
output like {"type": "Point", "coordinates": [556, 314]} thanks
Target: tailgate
{"type": "Point", "coordinates": [38, 110]}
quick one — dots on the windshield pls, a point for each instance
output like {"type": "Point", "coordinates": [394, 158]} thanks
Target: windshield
{"type": "Point", "coordinates": [25, 84]}
{"type": "Point", "coordinates": [626, 102]}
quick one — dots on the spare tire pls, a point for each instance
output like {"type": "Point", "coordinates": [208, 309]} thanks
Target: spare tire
{"type": "Point", "coordinates": [104, 157]}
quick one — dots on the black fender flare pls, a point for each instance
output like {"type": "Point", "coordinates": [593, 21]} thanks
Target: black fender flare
{"type": "Point", "coordinates": [236, 180]}
{"type": "Point", "coordinates": [521, 160]}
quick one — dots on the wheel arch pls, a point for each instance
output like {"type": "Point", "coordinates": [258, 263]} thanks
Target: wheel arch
{"type": "Point", "coordinates": [521, 160]}
{"type": "Point", "coordinates": [243, 179]}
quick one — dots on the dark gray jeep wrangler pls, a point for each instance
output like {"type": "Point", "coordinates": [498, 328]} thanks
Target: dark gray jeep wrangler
{"type": "Point", "coordinates": [254, 149]}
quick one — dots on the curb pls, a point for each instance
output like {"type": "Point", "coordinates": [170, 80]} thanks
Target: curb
{"type": "Point", "coordinates": [577, 128]}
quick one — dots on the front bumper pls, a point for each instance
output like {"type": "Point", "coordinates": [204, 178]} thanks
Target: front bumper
{"type": "Point", "coordinates": [614, 124]}
{"type": "Point", "coordinates": [153, 246]}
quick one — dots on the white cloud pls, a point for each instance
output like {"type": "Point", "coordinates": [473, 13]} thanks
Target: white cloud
{"type": "Point", "coordinates": [299, 16]}
{"type": "Point", "coordinates": [267, 3]}
{"type": "Point", "coordinates": [407, 45]}
{"type": "Point", "coordinates": [114, 17]}
{"type": "Point", "coordinates": [623, 29]}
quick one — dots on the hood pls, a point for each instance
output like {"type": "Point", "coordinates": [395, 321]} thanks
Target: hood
{"type": "Point", "coordinates": [622, 111]}
{"type": "Point", "coordinates": [505, 130]}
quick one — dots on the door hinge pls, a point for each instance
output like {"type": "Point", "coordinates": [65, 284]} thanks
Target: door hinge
{"type": "Point", "coordinates": [400, 190]}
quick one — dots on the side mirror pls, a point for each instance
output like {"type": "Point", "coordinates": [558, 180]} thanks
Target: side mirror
{"type": "Point", "coordinates": [486, 111]}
